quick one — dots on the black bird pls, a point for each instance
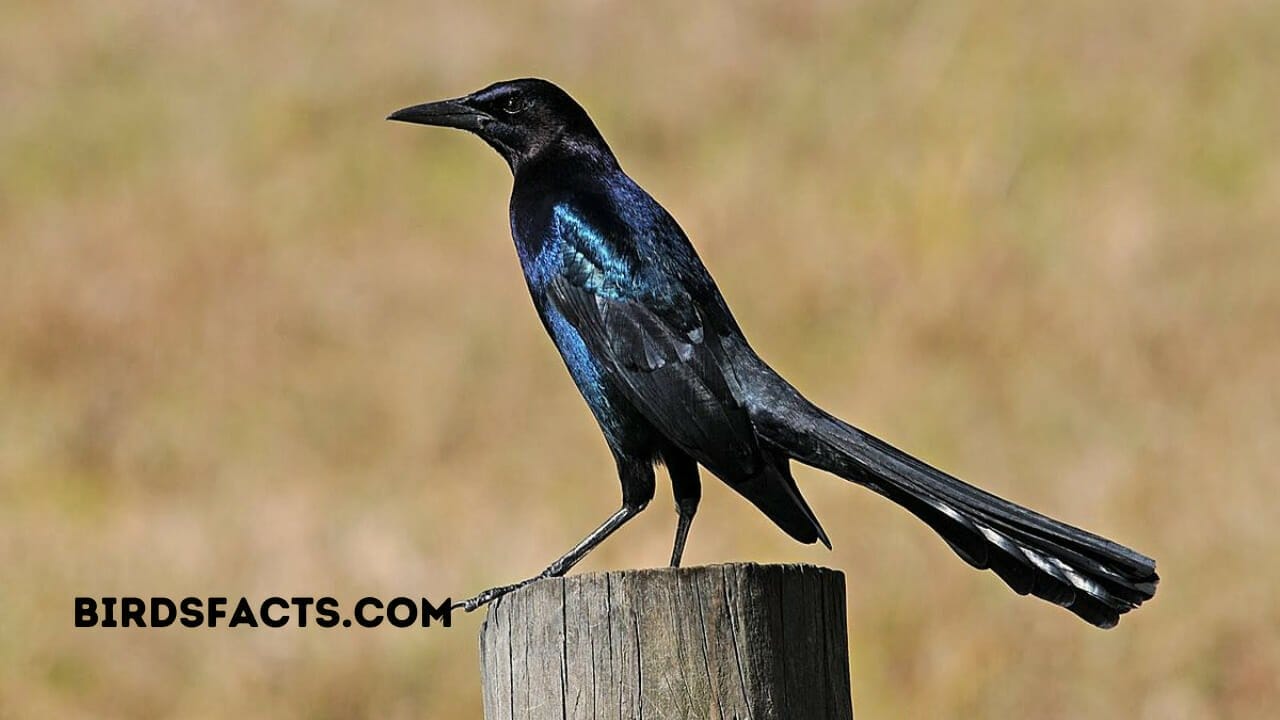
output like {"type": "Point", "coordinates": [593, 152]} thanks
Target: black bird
{"type": "Point", "coordinates": [671, 379]}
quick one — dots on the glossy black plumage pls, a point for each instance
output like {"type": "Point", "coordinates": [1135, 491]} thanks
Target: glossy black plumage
{"type": "Point", "coordinates": [670, 377]}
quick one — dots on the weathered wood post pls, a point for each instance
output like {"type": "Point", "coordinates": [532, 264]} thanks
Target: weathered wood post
{"type": "Point", "coordinates": [726, 641]}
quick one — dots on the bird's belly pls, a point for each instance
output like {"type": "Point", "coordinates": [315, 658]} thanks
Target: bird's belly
{"type": "Point", "coordinates": [582, 367]}
{"type": "Point", "coordinates": [619, 421]}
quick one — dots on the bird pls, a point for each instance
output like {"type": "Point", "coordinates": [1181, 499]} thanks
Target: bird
{"type": "Point", "coordinates": [669, 376]}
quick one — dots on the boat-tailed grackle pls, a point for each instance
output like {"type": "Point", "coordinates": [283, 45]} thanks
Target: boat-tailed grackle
{"type": "Point", "coordinates": [671, 379]}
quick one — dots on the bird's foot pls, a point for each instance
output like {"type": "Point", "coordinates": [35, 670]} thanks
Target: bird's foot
{"type": "Point", "coordinates": [488, 596]}
{"type": "Point", "coordinates": [556, 570]}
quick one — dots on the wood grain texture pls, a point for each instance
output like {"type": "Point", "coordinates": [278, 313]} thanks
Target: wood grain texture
{"type": "Point", "coordinates": [727, 642]}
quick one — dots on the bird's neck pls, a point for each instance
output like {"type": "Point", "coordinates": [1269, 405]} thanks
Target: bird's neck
{"type": "Point", "coordinates": [566, 156]}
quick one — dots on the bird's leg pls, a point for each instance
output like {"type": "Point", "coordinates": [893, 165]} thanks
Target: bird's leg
{"type": "Point", "coordinates": [565, 562]}
{"type": "Point", "coordinates": [688, 491]}
{"type": "Point", "coordinates": [685, 521]}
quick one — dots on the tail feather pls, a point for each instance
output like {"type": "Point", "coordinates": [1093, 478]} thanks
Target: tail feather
{"type": "Point", "coordinates": [774, 492]}
{"type": "Point", "coordinates": [1093, 577]}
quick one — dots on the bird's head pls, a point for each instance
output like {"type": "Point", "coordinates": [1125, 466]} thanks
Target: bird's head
{"type": "Point", "coordinates": [521, 119]}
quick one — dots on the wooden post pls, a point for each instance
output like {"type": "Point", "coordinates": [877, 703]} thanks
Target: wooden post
{"type": "Point", "coordinates": [727, 641]}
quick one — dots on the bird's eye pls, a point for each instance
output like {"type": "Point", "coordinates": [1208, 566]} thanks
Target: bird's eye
{"type": "Point", "coordinates": [513, 104]}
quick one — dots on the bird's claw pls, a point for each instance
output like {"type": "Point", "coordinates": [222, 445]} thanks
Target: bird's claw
{"type": "Point", "coordinates": [488, 596]}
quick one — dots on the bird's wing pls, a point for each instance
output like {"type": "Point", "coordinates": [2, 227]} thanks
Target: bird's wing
{"type": "Point", "coordinates": [664, 362]}
{"type": "Point", "coordinates": [654, 344]}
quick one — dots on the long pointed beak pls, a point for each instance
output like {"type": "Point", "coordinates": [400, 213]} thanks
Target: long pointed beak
{"type": "Point", "coordinates": [445, 113]}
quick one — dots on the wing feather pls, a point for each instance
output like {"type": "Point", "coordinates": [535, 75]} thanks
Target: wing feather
{"type": "Point", "coordinates": [671, 375]}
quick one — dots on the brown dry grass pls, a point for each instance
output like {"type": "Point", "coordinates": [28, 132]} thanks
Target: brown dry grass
{"type": "Point", "coordinates": [253, 340]}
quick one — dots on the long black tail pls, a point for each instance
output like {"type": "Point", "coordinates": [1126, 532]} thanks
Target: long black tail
{"type": "Point", "coordinates": [1093, 577]}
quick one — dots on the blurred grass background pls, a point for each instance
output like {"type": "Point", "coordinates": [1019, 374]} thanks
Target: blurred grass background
{"type": "Point", "coordinates": [254, 340]}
